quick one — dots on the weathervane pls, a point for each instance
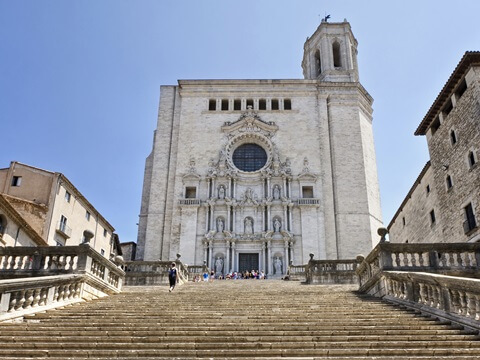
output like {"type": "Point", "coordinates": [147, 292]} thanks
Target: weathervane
{"type": "Point", "coordinates": [326, 17]}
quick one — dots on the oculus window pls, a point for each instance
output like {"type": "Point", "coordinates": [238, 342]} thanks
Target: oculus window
{"type": "Point", "coordinates": [249, 157]}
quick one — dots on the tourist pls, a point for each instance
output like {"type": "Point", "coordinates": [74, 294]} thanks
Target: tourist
{"type": "Point", "coordinates": [172, 276]}
{"type": "Point", "coordinates": [205, 276]}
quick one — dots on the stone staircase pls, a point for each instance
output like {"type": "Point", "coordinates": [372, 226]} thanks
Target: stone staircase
{"type": "Point", "coordinates": [232, 319]}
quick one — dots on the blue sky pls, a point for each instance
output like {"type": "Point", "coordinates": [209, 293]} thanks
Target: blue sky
{"type": "Point", "coordinates": [79, 80]}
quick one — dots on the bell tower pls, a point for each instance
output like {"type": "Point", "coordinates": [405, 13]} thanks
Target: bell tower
{"type": "Point", "coordinates": [330, 54]}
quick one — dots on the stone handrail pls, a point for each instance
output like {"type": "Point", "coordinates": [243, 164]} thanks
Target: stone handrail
{"type": "Point", "coordinates": [22, 262]}
{"type": "Point", "coordinates": [152, 272]}
{"type": "Point", "coordinates": [331, 271]}
{"type": "Point", "coordinates": [447, 297]}
{"type": "Point", "coordinates": [308, 201]}
{"type": "Point", "coordinates": [297, 272]}
{"type": "Point", "coordinates": [458, 259]}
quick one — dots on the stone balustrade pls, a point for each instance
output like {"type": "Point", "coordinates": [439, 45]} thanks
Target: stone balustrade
{"type": "Point", "coordinates": [331, 271]}
{"type": "Point", "coordinates": [308, 201]}
{"type": "Point", "coordinates": [197, 270]}
{"type": "Point", "coordinates": [36, 278]}
{"type": "Point", "coordinates": [152, 272]}
{"type": "Point", "coordinates": [191, 202]}
{"type": "Point", "coordinates": [297, 272]}
{"type": "Point", "coordinates": [456, 259]}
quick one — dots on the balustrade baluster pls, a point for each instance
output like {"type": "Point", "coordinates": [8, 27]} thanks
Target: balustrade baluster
{"type": "Point", "coordinates": [12, 262]}
{"type": "Point", "coordinates": [71, 262]}
{"type": "Point", "coordinates": [21, 300]}
{"type": "Point", "coordinates": [49, 262]}
{"type": "Point", "coordinates": [43, 297]}
{"type": "Point", "coordinates": [13, 301]}
{"type": "Point", "coordinates": [470, 307]}
{"type": "Point", "coordinates": [66, 294]}
{"type": "Point", "coordinates": [422, 293]}
{"type": "Point", "coordinates": [420, 259]}
{"type": "Point", "coordinates": [459, 261]}
{"type": "Point", "coordinates": [477, 307]}
{"type": "Point", "coordinates": [56, 294]}
{"type": "Point", "coordinates": [28, 299]}
{"type": "Point", "coordinates": [451, 260]}
{"type": "Point", "coordinates": [463, 303]}
{"type": "Point", "coordinates": [413, 260]}
{"type": "Point", "coordinates": [397, 259]}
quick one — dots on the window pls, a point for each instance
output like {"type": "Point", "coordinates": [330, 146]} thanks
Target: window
{"type": "Point", "coordinates": [307, 192]}
{"type": "Point", "coordinates": [249, 157]}
{"type": "Point", "coordinates": [428, 189]}
{"type": "Point", "coordinates": [212, 104]}
{"type": "Point", "coordinates": [224, 104]}
{"type": "Point", "coordinates": [403, 221]}
{"type": "Point", "coordinates": [471, 159]}
{"type": "Point", "coordinates": [432, 217]}
{"type": "Point", "coordinates": [63, 223]}
{"type": "Point", "coordinates": [287, 104]}
{"type": "Point", "coordinates": [67, 196]}
{"type": "Point", "coordinates": [16, 181]}
{"type": "Point", "coordinates": [447, 108]}
{"type": "Point", "coordinates": [337, 59]}
{"type": "Point", "coordinates": [453, 137]}
{"type": "Point", "coordinates": [449, 182]}
{"type": "Point", "coordinates": [461, 89]}
{"type": "Point", "coordinates": [237, 104]}
{"type": "Point", "coordinates": [191, 192]}
{"type": "Point", "coordinates": [262, 104]}
{"type": "Point", "coordinates": [318, 63]}
{"type": "Point", "coordinates": [87, 215]}
{"type": "Point", "coordinates": [275, 104]}
{"type": "Point", "coordinates": [249, 103]}
{"type": "Point", "coordinates": [470, 223]}
{"type": "Point", "coordinates": [435, 125]}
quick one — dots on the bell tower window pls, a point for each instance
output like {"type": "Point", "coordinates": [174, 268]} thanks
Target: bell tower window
{"type": "Point", "coordinates": [337, 58]}
{"type": "Point", "coordinates": [318, 63]}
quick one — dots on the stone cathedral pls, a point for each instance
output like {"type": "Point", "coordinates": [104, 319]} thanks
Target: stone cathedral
{"type": "Point", "coordinates": [258, 174]}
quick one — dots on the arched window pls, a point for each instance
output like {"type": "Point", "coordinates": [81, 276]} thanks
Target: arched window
{"type": "Point", "coordinates": [337, 58]}
{"type": "Point", "coordinates": [318, 63]}
{"type": "Point", "coordinates": [453, 137]}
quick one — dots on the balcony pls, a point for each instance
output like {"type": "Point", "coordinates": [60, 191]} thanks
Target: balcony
{"type": "Point", "coordinates": [63, 230]}
{"type": "Point", "coordinates": [190, 202]}
{"type": "Point", "coordinates": [308, 201]}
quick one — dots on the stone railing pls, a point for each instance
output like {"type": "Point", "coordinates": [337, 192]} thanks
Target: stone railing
{"type": "Point", "coordinates": [297, 272]}
{"type": "Point", "coordinates": [197, 270]}
{"type": "Point", "coordinates": [39, 278]}
{"type": "Point", "coordinates": [195, 202]}
{"type": "Point", "coordinates": [308, 201]}
{"type": "Point", "coordinates": [456, 259]}
{"type": "Point", "coordinates": [139, 273]}
{"type": "Point", "coordinates": [447, 297]}
{"type": "Point", "coordinates": [331, 271]}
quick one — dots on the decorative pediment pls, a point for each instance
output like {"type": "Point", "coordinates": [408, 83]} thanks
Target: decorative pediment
{"type": "Point", "coordinates": [306, 173]}
{"type": "Point", "coordinates": [250, 122]}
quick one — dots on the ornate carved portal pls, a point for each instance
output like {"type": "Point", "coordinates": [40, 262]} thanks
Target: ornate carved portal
{"type": "Point", "coordinates": [249, 206]}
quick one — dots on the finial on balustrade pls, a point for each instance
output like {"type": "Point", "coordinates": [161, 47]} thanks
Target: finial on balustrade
{"type": "Point", "coordinates": [87, 236]}
{"type": "Point", "coordinates": [178, 256]}
{"type": "Point", "coordinates": [311, 256]}
{"type": "Point", "coordinates": [383, 234]}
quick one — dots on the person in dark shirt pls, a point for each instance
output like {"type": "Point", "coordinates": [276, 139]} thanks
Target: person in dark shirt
{"type": "Point", "coordinates": [172, 276]}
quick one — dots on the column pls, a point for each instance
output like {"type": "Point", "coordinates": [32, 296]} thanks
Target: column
{"type": "Point", "coordinates": [268, 187]}
{"type": "Point", "coordinates": [226, 265]}
{"type": "Point", "coordinates": [269, 222]}
{"type": "Point", "coordinates": [214, 193]}
{"type": "Point", "coordinates": [234, 188]}
{"type": "Point", "coordinates": [262, 262]}
{"type": "Point", "coordinates": [207, 210]}
{"type": "Point", "coordinates": [205, 247]}
{"type": "Point", "coordinates": [263, 218]}
{"type": "Point", "coordinates": [212, 257]}
{"type": "Point", "coordinates": [284, 225]}
{"type": "Point", "coordinates": [284, 186]}
{"type": "Point", "coordinates": [234, 257]}
{"type": "Point", "coordinates": [209, 182]}
{"type": "Point", "coordinates": [289, 184]}
{"type": "Point", "coordinates": [227, 225]}
{"type": "Point", "coordinates": [212, 218]}
{"type": "Point", "coordinates": [287, 260]}
{"type": "Point", "coordinates": [292, 254]}
{"type": "Point", "coordinates": [269, 258]}
{"type": "Point", "coordinates": [234, 219]}
{"type": "Point", "coordinates": [290, 208]}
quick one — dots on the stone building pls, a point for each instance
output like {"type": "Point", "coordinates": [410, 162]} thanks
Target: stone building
{"type": "Point", "coordinates": [444, 202]}
{"type": "Point", "coordinates": [53, 208]}
{"type": "Point", "coordinates": [254, 174]}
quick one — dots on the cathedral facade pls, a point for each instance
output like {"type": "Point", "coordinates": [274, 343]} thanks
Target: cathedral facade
{"type": "Point", "coordinates": [258, 174]}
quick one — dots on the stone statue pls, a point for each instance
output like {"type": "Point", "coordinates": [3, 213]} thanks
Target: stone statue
{"type": "Point", "coordinates": [249, 194]}
{"type": "Point", "coordinates": [221, 192]}
{"type": "Point", "coordinates": [248, 226]}
{"type": "Point", "coordinates": [276, 192]}
{"type": "Point", "coordinates": [220, 225]}
{"type": "Point", "coordinates": [277, 225]}
{"type": "Point", "coordinates": [278, 265]}
{"type": "Point", "coordinates": [219, 265]}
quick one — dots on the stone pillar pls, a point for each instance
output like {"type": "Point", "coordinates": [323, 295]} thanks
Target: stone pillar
{"type": "Point", "coordinates": [269, 258]}
{"type": "Point", "coordinates": [212, 257]}
{"type": "Point", "coordinates": [234, 219]}
{"type": "Point", "coordinates": [284, 224]}
{"type": "Point", "coordinates": [287, 260]}
{"type": "Point", "coordinates": [209, 188]}
{"type": "Point", "coordinates": [205, 247]}
{"type": "Point", "coordinates": [207, 211]}
{"type": "Point", "coordinates": [214, 192]}
{"type": "Point", "coordinates": [262, 262]}
{"type": "Point", "coordinates": [292, 254]}
{"type": "Point", "coordinates": [212, 218]}
{"type": "Point", "coordinates": [268, 187]}
{"type": "Point", "coordinates": [227, 225]}
{"type": "Point", "coordinates": [234, 258]}
{"type": "Point", "coordinates": [234, 188]}
{"type": "Point", "coordinates": [289, 184]}
{"type": "Point", "coordinates": [226, 265]}
{"type": "Point", "coordinates": [290, 206]}
{"type": "Point", "coordinates": [269, 222]}
{"type": "Point", "coordinates": [284, 186]}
